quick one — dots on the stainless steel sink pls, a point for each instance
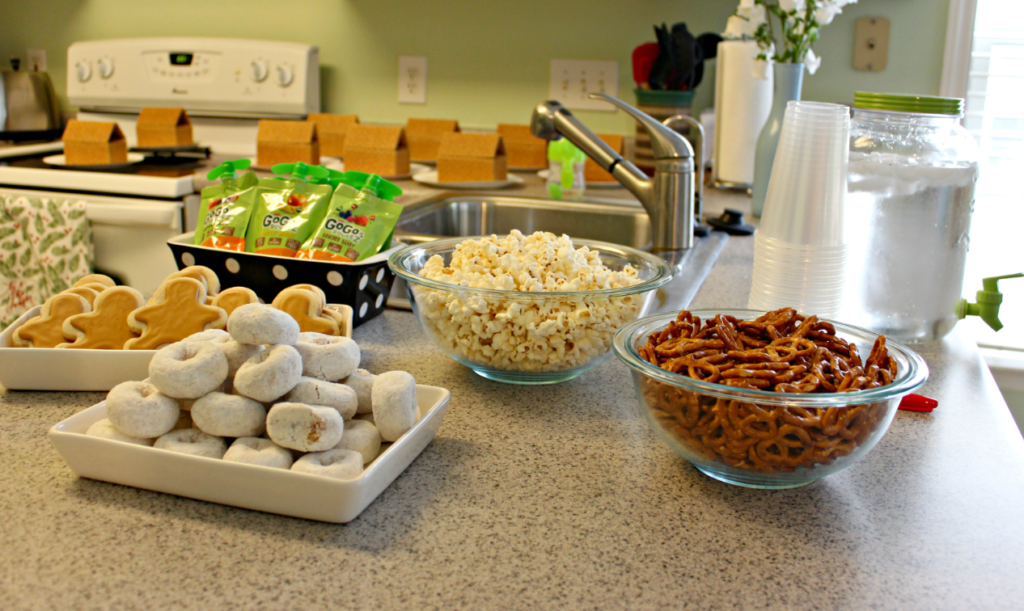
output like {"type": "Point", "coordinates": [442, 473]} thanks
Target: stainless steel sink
{"type": "Point", "coordinates": [450, 215]}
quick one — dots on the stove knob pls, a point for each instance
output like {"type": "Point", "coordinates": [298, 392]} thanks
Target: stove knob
{"type": "Point", "coordinates": [260, 69]}
{"type": "Point", "coordinates": [83, 71]}
{"type": "Point", "coordinates": [106, 68]}
{"type": "Point", "coordinates": [284, 76]}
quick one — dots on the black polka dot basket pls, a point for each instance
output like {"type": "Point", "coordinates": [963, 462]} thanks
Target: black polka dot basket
{"type": "Point", "coordinates": [364, 286]}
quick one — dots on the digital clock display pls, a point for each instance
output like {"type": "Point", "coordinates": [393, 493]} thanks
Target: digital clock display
{"type": "Point", "coordinates": [181, 59]}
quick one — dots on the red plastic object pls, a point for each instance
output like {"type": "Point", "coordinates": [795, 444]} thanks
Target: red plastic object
{"type": "Point", "coordinates": [643, 59]}
{"type": "Point", "coordinates": [918, 403]}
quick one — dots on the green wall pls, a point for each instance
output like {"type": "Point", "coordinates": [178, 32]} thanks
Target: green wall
{"type": "Point", "coordinates": [488, 60]}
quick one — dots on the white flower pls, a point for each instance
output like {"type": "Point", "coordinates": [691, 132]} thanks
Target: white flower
{"type": "Point", "coordinates": [812, 61]}
{"type": "Point", "coordinates": [750, 4]}
{"type": "Point", "coordinates": [754, 14]}
{"type": "Point", "coordinates": [792, 5]}
{"type": "Point", "coordinates": [744, 23]}
{"type": "Point", "coordinates": [842, 3]}
{"type": "Point", "coordinates": [826, 12]}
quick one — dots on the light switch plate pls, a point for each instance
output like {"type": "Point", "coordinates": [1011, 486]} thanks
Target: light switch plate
{"type": "Point", "coordinates": [412, 80]}
{"type": "Point", "coordinates": [573, 80]}
{"type": "Point", "coordinates": [36, 60]}
{"type": "Point", "coordinates": [871, 44]}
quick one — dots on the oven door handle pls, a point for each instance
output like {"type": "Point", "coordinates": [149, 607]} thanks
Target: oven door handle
{"type": "Point", "coordinates": [154, 215]}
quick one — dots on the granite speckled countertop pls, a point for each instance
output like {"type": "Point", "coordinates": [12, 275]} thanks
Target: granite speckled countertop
{"type": "Point", "coordinates": [556, 497]}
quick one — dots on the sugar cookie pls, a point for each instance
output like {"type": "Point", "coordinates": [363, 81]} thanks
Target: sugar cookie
{"type": "Point", "coordinates": [105, 430]}
{"type": "Point", "coordinates": [307, 428]}
{"type": "Point", "coordinates": [256, 323]}
{"type": "Point", "coordinates": [90, 294]}
{"type": "Point", "coordinates": [361, 381]}
{"type": "Point", "coordinates": [312, 391]}
{"type": "Point", "coordinates": [106, 327]}
{"type": "Point", "coordinates": [46, 329]}
{"type": "Point", "coordinates": [229, 415]}
{"type": "Point", "coordinates": [336, 464]}
{"type": "Point", "coordinates": [363, 437]}
{"type": "Point", "coordinates": [232, 298]}
{"type": "Point", "coordinates": [257, 451]}
{"type": "Point", "coordinates": [270, 374]}
{"type": "Point", "coordinates": [306, 308]}
{"type": "Point", "coordinates": [176, 311]}
{"type": "Point", "coordinates": [138, 409]}
{"type": "Point", "coordinates": [188, 370]}
{"type": "Point", "coordinates": [103, 279]}
{"type": "Point", "coordinates": [193, 442]}
{"type": "Point", "coordinates": [394, 404]}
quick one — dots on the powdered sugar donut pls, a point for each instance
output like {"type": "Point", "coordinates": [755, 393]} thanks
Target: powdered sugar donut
{"type": "Point", "coordinates": [361, 436]}
{"type": "Point", "coordinates": [307, 428]}
{"type": "Point", "coordinates": [257, 451]}
{"type": "Point", "coordinates": [255, 323]}
{"type": "Point", "coordinates": [327, 357]}
{"type": "Point", "coordinates": [361, 381]}
{"type": "Point", "coordinates": [188, 370]}
{"type": "Point", "coordinates": [337, 464]}
{"type": "Point", "coordinates": [192, 441]}
{"type": "Point", "coordinates": [105, 430]}
{"type": "Point", "coordinates": [138, 409]}
{"type": "Point", "coordinates": [214, 336]}
{"type": "Point", "coordinates": [312, 391]}
{"type": "Point", "coordinates": [394, 404]}
{"type": "Point", "coordinates": [229, 415]}
{"type": "Point", "coordinates": [270, 374]}
{"type": "Point", "coordinates": [238, 353]}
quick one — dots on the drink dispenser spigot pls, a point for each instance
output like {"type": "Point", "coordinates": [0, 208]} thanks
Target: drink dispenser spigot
{"type": "Point", "coordinates": [989, 300]}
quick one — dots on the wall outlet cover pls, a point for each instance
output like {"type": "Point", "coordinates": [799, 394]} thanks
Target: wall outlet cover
{"type": "Point", "coordinates": [412, 80]}
{"type": "Point", "coordinates": [35, 60]}
{"type": "Point", "coordinates": [572, 81]}
{"type": "Point", "coordinates": [871, 44]}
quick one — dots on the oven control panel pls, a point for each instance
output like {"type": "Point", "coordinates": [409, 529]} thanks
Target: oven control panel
{"type": "Point", "coordinates": [206, 76]}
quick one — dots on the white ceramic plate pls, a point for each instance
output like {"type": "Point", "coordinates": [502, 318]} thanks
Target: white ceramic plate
{"type": "Point", "coordinates": [82, 369]}
{"type": "Point", "coordinates": [430, 179]}
{"type": "Point", "coordinates": [61, 161]}
{"type": "Point", "coordinates": [414, 168]}
{"type": "Point", "coordinates": [590, 184]}
{"type": "Point", "coordinates": [247, 486]}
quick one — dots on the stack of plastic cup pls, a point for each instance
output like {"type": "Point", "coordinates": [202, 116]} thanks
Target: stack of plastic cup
{"type": "Point", "coordinates": [799, 248]}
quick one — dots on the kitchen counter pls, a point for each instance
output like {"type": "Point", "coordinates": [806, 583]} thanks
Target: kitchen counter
{"type": "Point", "coordinates": [555, 497]}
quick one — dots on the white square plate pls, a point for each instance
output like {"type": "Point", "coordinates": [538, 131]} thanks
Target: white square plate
{"type": "Point", "coordinates": [299, 495]}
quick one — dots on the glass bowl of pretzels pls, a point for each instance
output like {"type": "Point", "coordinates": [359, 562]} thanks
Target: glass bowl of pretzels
{"type": "Point", "coordinates": [766, 400]}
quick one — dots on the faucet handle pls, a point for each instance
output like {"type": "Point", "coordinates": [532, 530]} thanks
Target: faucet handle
{"type": "Point", "coordinates": [666, 143]}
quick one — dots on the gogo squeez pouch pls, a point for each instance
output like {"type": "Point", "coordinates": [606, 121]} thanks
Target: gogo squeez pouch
{"type": "Point", "coordinates": [359, 222]}
{"type": "Point", "coordinates": [224, 209]}
{"type": "Point", "coordinates": [286, 210]}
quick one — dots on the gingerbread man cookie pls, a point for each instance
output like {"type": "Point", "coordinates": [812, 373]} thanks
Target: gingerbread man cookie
{"type": "Point", "coordinates": [106, 327]}
{"type": "Point", "coordinates": [45, 330]}
{"type": "Point", "coordinates": [89, 293]}
{"type": "Point", "coordinates": [324, 312]}
{"type": "Point", "coordinates": [306, 308]}
{"type": "Point", "coordinates": [177, 310]}
{"type": "Point", "coordinates": [232, 298]}
{"type": "Point", "coordinates": [103, 279]}
{"type": "Point", "coordinates": [197, 272]}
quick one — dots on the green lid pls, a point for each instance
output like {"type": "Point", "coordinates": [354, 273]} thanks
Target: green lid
{"type": "Point", "coordinates": [908, 103]}
{"type": "Point", "coordinates": [658, 97]}
{"type": "Point", "coordinates": [300, 170]}
{"type": "Point", "coordinates": [228, 168]}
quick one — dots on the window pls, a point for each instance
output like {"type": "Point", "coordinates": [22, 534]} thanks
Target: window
{"type": "Point", "coordinates": [995, 117]}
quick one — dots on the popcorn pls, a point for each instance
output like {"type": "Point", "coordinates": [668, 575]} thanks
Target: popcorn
{"type": "Point", "coordinates": [524, 334]}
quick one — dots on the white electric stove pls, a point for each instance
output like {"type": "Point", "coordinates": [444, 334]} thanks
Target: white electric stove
{"type": "Point", "coordinates": [225, 85]}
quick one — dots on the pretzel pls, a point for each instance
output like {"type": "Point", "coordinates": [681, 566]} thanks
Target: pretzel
{"type": "Point", "coordinates": [782, 351]}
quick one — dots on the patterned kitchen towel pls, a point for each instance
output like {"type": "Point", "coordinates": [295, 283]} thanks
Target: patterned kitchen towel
{"type": "Point", "coordinates": [45, 245]}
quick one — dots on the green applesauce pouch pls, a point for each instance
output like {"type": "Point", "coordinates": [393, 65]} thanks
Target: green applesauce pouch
{"type": "Point", "coordinates": [225, 207]}
{"type": "Point", "coordinates": [359, 222]}
{"type": "Point", "coordinates": [286, 210]}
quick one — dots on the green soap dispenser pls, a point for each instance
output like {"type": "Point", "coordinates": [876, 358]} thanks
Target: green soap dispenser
{"type": "Point", "coordinates": [989, 300]}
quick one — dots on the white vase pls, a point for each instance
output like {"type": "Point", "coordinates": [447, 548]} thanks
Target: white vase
{"type": "Point", "coordinates": [742, 104]}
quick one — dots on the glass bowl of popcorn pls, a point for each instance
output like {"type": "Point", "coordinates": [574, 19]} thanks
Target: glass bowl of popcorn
{"type": "Point", "coordinates": [527, 309]}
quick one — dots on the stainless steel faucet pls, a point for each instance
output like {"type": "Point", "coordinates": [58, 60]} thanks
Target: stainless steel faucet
{"type": "Point", "coordinates": [669, 196]}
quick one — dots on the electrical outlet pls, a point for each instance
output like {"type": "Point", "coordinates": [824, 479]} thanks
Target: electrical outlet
{"type": "Point", "coordinates": [412, 80]}
{"type": "Point", "coordinates": [871, 44]}
{"type": "Point", "coordinates": [572, 81]}
{"type": "Point", "coordinates": [36, 60]}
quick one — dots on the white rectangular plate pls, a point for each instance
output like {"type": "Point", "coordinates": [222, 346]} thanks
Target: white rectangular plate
{"type": "Point", "coordinates": [247, 486]}
{"type": "Point", "coordinates": [83, 369]}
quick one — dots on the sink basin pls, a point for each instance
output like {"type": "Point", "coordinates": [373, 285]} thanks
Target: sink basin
{"type": "Point", "coordinates": [450, 215]}
{"type": "Point", "coordinates": [466, 215]}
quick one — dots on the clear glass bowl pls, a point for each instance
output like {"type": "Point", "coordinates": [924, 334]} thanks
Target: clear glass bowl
{"type": "Point", "coordinates": [468, 324]}
{"type": "Point", "coordinates": [683, 412]}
